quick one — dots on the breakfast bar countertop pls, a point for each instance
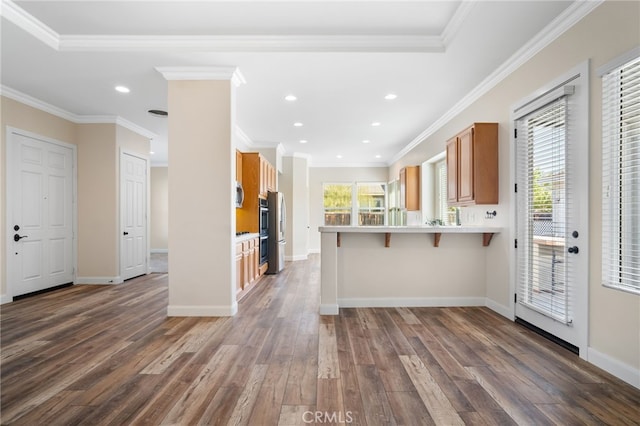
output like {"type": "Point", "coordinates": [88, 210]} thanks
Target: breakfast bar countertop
{"type": "Point", "coordinates": [425, 229]}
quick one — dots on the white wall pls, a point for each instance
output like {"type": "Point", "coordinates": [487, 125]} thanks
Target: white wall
{"type": "Point", "coordinates": [320, 175]}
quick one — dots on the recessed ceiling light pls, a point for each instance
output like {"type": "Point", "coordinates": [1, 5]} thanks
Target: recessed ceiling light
{"type": "Point", "coordinates": [122, 89]}
{"type": "Point", "coordinates": [151, 152]}
{"type": "Point", "coordinates": [375, 123]}
{"type": "Point", "coordinates": [290, 98]}
{"type": "Point", "coordinates": [378, 156]}
{"type": "Point", "coordinates": [366, 141]}
{"type": "Point", "coordinates": [390, 96]}
{"type": "Point", "coordinates": [298, 124]}
{"type": "Point", "coordinates": [303, 141]}
{"type": "Point", "coordinates": [339, 156]}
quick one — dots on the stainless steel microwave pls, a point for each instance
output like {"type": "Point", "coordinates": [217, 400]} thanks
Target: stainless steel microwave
{"type": "Point", "coordinates": [239, 195]}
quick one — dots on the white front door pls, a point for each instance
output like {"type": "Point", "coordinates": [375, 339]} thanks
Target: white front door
{"type": "Point", "coordinates": [552, 220]}
{"type": "Point", "coordinates": [133, 203]}
{"type": "Point", "coordinates": [40, 213]}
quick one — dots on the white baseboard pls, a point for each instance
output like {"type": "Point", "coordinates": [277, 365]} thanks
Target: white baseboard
{"type": "Point", "coordinates": [505, 311]}
{"type": "Point", "coordinates": [159, 250]}
{"type": "Point", "coordinates": [99, 280]}
{"type": "Point", "coordinates": [622, 371]}
{"type": "Point", "coordinates": [328, 309]}
{"type": "Point", "coordinates": [296, 257]}
{"type": "Point", "coordinates": [202, 311]}
{"type": "Point", "coordinates": [411, 302]}
{"type": "Point", "coordinates": [5, 298]}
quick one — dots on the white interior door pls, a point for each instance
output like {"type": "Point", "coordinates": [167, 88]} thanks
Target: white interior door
{"type": "Point", "coordinates": [133, 203]}
{"type": "Point", "coordinates": [552, 220]}
{"type": "Point", "coordinates": [40, 214]}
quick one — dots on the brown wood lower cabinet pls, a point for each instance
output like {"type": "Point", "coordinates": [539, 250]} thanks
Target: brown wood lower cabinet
{"type": "Point", "coordinates": [239, 268]}
{"type": "Point", "coordinates": [247, 265]}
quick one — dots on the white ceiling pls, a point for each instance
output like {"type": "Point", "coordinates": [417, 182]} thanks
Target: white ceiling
{"type": "Point", "coordinates": [340, 58]}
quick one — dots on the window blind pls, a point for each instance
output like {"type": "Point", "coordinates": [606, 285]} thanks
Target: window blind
{"type": "Point", "coordinates": [542, 206]}
{"type": "Point", "coordinates": [441, 192]}
{"type": "Point", "coordinates": [621, 177]}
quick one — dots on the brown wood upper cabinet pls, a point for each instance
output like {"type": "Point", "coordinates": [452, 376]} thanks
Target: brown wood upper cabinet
{"type": "Point", "coordinates": [238, 166]}
{"type": "Point", "coordinates": [258, 177]}
{"type": "Point", "coordinates": [472, 166]}
{"type": "Point", "coordinates": [410, 188]}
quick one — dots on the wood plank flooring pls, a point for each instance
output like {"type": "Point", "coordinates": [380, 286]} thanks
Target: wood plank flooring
{"type": "Point", "coordinates": [108, 355]}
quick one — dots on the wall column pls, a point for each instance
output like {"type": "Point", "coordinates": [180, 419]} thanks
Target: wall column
{"type": "Point", "coordinates": [201, 191]}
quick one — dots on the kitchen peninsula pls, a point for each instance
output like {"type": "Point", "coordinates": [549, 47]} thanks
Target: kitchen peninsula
{"type": "Point", "coordinates": [387, 266]}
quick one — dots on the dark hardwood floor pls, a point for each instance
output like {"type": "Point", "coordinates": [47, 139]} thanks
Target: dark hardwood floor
{"type": "Point", "coordinates": [97, 355]}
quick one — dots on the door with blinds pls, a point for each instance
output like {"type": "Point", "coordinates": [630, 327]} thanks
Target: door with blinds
{"type": "Point", "coordinates": [552, 188]}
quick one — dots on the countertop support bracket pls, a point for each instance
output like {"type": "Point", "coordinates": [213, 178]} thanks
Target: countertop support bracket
{"type": "Point", "coordinates": [436, 239]}
{"type": "Point", "coordinates": [337, 239]}
{"type": "Point", "coordinates": [486, 238]}
{"type": "Point", "coordinates": [387, 239]}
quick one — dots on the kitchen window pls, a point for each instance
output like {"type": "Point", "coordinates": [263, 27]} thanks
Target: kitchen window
{"type": "Point", "coordinates": [354, 204]}
{"type": "Point", "coordinates": [337, 203]}
{"type": "Point", "coordinates": [621, 174]}
{"type": "Point", "coordinates": [371, 204]}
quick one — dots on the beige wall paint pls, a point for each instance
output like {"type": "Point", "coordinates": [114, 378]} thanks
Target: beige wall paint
{"type": "Point", "coordinates": [295, 186]}
{"type": "Point", "coordinates": [159, 208]}
{"type": "Point", "coordinates": [320, 175]}
{"type": "Point", "coordinates": [411, 268]}
{"type": "Point", "coordinates": [609, 31]}
{"type": "Point", "coordinates": [97, 183]}
{"type": "Point", "coordinates": [201, 208]}
{"type": "Point", "coordinates": [98, 202]}
{"type": "Point", "coordinates": [20, 116]}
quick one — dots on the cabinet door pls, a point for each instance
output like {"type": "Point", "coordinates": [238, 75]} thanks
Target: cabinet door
{"type": "Point", "coordinates": [256, 259]}
{"type": "Point", "coordinates": [465, 164]}
{"type": "Point", "coordinates": [238, 166]}
{"type": "Point", "coordinates": [403, 188]}
{"type": "Point", "coordinates": [452, 171]}
{"type": "Point", "coordinates": [412, 188]}
{"type": "Point", "coordinates": [246, 279]}
{"type": "Point", "coordinates": [272, 178]}
{"type": "Point", "coordinates": [239, 268]}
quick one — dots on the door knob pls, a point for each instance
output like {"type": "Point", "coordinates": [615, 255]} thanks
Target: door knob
{"type": "Point", "coordinates": [574, 250]}
{"type": "Point", "coordinates": [17, 237]}
{"type": "Point", "coordinates": [125, 233]}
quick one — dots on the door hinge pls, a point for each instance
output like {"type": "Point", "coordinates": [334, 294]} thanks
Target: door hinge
{"type": "Point", "coordinates": [515, 133]}
{"type": "Point", "coordinates": [515, 243]}
{"type": "Point", "coordinates": [515, 297]}
{"type": "Point", "coordinates": [515, 188]}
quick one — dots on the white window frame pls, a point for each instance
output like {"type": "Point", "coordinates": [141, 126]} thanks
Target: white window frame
{"type": "Point", "coordinates": [355, 207]}
{"type": "Point", "coordinates": [620, 176]}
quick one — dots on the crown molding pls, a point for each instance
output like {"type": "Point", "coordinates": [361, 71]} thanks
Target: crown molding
{"type": "Point", "coordinates": [456, 21]}
{"type": "Point", "coordinates": [235, 43]}
{"type": "Point", "coordinates": [302, 155]}
{"type": "Point", "coordinates": [23, 98]}
{"type": "Point", "coordinates": [203, 73]}
{"type": "Point", "coordinates": [243, 136]}
{"type": "Point", "coordinates": [74, 118]}
{"type": "Point", "coordinates": [562, 23]}
{"type": "Point", "coordinates": [29, 23]}
{"type": "Point", "coordinates": [342, 165]}
{"type": "Point", "coordinates": [255, 43]}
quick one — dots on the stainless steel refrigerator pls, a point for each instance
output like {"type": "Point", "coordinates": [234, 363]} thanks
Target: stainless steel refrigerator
{"type": "Point", "coordinates": [277, 227]}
